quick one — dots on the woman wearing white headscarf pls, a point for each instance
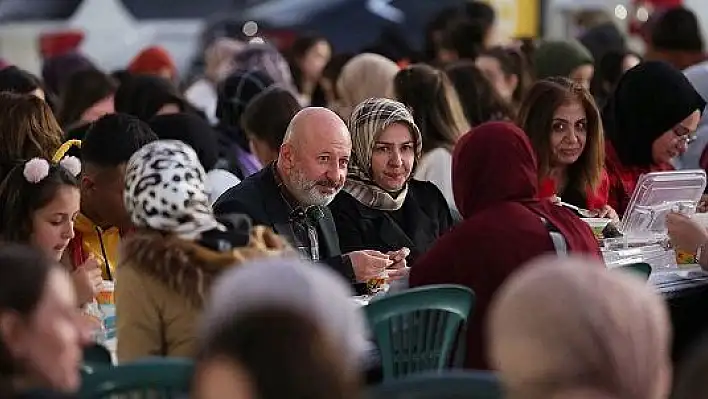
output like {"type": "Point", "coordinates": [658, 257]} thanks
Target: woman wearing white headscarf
{"type": "Point", "coordinates": [562, 330]}
{"type": "Point", "coordinates": [179, 247]}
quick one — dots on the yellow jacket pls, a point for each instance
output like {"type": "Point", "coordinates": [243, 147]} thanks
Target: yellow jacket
{"type": "Point", "coordinates": [91, 240]}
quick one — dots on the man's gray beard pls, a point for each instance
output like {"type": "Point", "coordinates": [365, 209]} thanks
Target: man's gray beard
{"type": "Point", "coordinates": [305, 190]}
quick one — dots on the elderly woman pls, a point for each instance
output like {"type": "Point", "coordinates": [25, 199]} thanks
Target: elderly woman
{"type": "Point", "coordinates": [543, 347]}
{"type": "Point", "coordinates": [177, 251]}
{"type": "Point", "coordinates": [382, 207]}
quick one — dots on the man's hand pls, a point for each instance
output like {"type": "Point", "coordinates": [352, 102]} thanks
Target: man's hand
{"type": "Point", "coordinates": [399, 268]}
{"type": "Point", "coordinates": [369, 264]}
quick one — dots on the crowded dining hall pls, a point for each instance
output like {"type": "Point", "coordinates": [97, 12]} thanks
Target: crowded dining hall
{"type": "Point", "coordinates": [416, 199]}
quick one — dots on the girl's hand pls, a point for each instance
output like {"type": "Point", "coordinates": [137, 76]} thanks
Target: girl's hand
{"type": "Point", "coordinates": [88, 279]}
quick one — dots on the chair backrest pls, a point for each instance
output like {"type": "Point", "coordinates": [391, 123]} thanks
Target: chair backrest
{"type": "Point", "coordinates": [97, 354]}
{"type": "Point", "coordinates": [149, 378]}
{"type": "Point", "coordinates": [447, 385]}
{"type": "Point", "coordinates": [641, 269]}
{"type": "Point", "coordinates": [416, 329]}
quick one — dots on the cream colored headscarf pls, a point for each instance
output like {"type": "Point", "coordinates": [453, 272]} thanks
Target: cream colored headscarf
{"type": "Point", "coordinates": [367, 122]}
{"type": "Point", "coordinates": [567, 328]}
{"type": "Point", "coordinates": [364, 76]}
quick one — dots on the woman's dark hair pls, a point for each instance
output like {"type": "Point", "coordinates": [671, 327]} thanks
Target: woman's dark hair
{"type": "Point", "coordinates": [536, 119]}
{"type": "Point", "coordinates": [434, 104]}
{"type": "Point", "coordinates": [479, 99]}
{"type": "Point", "coordinates": [513, 63]}
{"type": "Point", "coordinates": [28, 129]}
{"type": "Point", "coordinates": [465, 37]}
{"type": "Point", "coordinates": [267, 117]}
{"type": "Point", "coordinates": [609, 71]}
{"type": "Point", "coordinates": [191, 130]}
{"type": "Point", "coordinates": [285, 354]}
{"type": "Point", "coordinates": [434, 29]}
{"type": "Point", "coordinates": [297, 51]}
{"type": "Point", "coordinates": [20, 199]}
{"type": "Point", "coordinates": [24, 272]}
{"type": "Point", "coordinates": [19, 81]}
{"type": "Point", "coordinates": [83, 90]}
{"type": "Point", "coordinates": [144, 95]}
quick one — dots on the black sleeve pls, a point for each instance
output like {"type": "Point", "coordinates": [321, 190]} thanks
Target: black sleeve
{"type": "Point", "coordinates": [342, 265]}
{"type": "Point", "coordinates": [351, 237]}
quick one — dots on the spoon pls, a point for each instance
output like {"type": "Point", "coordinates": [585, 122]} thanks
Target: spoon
{"type": "Point", "coordinates": [582, 212]}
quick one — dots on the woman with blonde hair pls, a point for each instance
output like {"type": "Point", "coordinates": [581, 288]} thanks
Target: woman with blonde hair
{"type": "Point", "coordinates": [437, 111]}
{"type": "Point", "coordinates": [568, 328]}
{"type": "Point", "coordinates": [28, 130]}
{"type": "Point", "coordinates": [364, 76]}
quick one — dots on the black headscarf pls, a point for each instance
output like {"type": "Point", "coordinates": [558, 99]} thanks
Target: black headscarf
{"type": "Point", "coordinates": [235, 93]}
{"type": "Point", "coordinates": [649, 100]}
{"type": "Point", "coordinates": [143, 95]}
{"type": "Point", "coordinates": [191, 130]}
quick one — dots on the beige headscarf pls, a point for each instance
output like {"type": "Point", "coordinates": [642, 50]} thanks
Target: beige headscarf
{"type": "Point", "coordinates": [368, 120]}
{"type": "Point", "coordinates": [561, 329]}
{"type": "Point", "coordinates": [364, 76]}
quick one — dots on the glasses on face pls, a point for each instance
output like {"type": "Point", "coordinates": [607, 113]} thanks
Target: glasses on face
{"type": "Point", "coordinates": [683, 135]}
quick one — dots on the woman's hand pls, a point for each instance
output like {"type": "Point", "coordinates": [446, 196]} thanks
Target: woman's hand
{"type": "Point", "coordinates": [685, 234]}
{"type": "Point", "coordinates": [88, 279]}
{"type": "Point", "coordinates": [608, 212]}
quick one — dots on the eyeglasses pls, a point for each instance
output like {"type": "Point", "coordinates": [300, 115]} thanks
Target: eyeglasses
{"type": "Point", "coordinates": [684, 134]}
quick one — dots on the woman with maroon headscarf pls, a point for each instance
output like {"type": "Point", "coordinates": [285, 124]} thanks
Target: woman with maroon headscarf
{"type": "Point", "coordinates": [495, 183]}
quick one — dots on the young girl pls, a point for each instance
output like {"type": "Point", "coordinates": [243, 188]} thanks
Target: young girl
{"type": "Point", "coordinates": [39, 201]}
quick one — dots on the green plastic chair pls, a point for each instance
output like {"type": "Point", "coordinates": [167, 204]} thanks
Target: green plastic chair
{"type": "Point", "coordinates": [640, 269]}
{"type": "Point", "coordinates": [447, 385]}
{"type": "Point", "coordinates": [163, 378]}
{"type": "Point", "coordinates": [416, 329]}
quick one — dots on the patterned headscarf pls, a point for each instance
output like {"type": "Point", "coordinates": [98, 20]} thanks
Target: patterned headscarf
{"type": "Point", "coordinates": [367, 121]}
{"type": "Point", "coordinates": [165, 190]}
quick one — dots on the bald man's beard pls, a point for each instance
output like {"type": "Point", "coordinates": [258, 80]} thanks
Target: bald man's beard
{"type": "Point", "coordinates": [307, 191]}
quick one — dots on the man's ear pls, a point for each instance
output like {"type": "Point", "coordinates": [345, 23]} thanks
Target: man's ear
{"type": "Point", "coordinates": [285, 156]}
{"type": "Point", "coordinates": [87, 182]}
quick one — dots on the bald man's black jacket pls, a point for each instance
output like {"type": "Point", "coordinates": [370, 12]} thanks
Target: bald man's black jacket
{"type": "Point", "coordinates": [259, 197]}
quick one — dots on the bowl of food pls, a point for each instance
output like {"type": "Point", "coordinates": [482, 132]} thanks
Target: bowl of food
{"type": "Point", "coordinates": [597, 225]}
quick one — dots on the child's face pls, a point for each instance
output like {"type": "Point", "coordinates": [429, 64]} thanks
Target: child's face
{"type": "Point", "coordinates": [53, 225]}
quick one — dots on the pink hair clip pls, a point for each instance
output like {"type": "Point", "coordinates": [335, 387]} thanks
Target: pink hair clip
{"type": "Point", "coordinates": [36, 169]}
{"type": "Point", "coordinates": [71, 164]}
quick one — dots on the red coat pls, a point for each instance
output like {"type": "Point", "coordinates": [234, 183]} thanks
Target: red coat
{"type": "Point", "coordinates": [494, 177]}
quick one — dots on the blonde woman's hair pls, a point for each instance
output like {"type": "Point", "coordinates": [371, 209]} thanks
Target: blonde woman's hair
{"type": "Point", "coordinates": [434, 103]}
{"type": "Point", "coordinates": [28, 129]}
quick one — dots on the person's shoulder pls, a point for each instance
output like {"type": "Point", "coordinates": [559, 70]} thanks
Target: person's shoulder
{"type": "Point", "coordinates": [426, 192]}
{"type": "Point", "coordinates": [345, 204]}
{"type": "Point", "coordinates": [243, 196]}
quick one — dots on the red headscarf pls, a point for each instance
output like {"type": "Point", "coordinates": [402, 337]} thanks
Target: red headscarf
{"type": "Point", "coordinates": [494, 178]}
{"type": "Point", "coordinates": [153, 61]}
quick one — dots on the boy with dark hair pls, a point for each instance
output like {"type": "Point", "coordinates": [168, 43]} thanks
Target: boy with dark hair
{"type": "Point", "coordinates": [105, 151]}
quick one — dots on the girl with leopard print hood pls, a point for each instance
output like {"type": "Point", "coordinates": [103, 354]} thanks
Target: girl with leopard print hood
{"type": "Point", "coordinates": [168, 265]}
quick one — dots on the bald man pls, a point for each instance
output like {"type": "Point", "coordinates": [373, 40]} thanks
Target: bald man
{"type": "Point", "coordinates": [291, 195]}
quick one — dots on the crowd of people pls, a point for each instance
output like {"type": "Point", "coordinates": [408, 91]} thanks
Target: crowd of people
{"type": "Point", "coordinates": [235, 216]}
